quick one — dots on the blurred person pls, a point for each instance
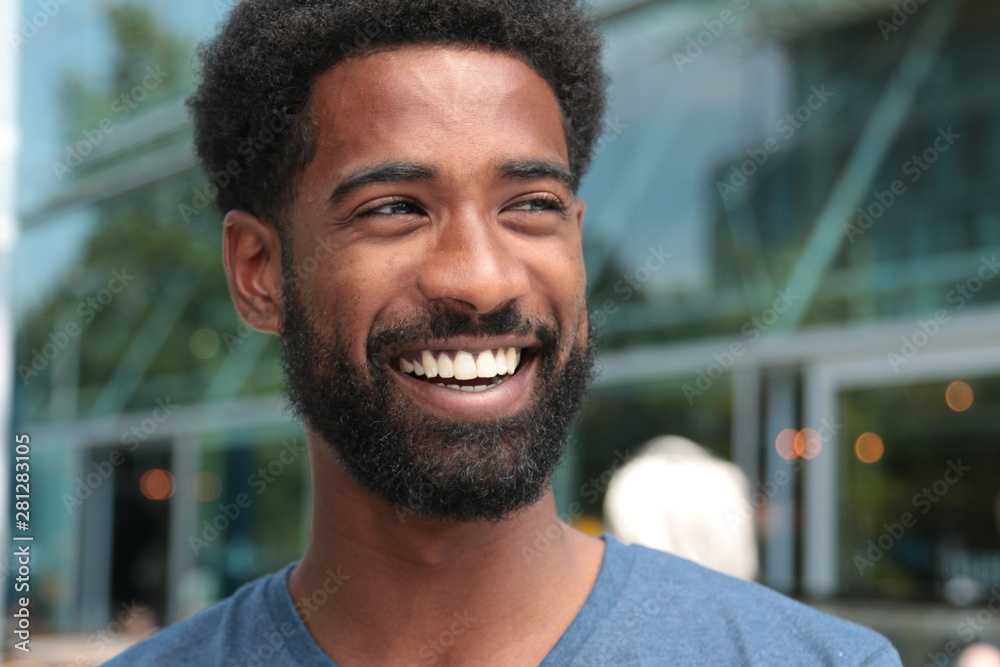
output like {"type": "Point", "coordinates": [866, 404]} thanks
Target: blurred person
{"type": "Point", "coordinates": [405, 219]}
{"type": "Point", "coordinates": [676, 497]}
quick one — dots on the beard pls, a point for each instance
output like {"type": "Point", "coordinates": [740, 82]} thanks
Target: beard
{"type": "Point", "coordinates": [439, 467]}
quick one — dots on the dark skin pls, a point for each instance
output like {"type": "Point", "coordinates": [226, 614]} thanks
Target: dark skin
{"type": "Point", "coordinates": [460, 226]}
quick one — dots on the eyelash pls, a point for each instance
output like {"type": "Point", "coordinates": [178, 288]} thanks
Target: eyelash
{"type": "Point", "coordinates": [374, 211]}
{"type": "Point", "coordinates": [546, 204]}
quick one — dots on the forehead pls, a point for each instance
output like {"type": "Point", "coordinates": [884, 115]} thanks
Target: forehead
{"type": "Point", "coordinates": [454, 108]}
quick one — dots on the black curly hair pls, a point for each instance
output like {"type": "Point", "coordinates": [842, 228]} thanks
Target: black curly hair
{"type": "Point", "coordinates": [254, 130]}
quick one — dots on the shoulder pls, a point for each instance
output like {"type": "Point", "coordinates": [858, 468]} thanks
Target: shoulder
{"type": "Point", "coordinates": [670, 604]}
{"type": "Point", "coordinates": [230, 632]}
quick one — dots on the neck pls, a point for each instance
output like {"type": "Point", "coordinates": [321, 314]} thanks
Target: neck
{"type": "Point", "coordinates": [403, 580]}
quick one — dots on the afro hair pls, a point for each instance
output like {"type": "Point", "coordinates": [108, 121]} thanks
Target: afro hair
{"type": "Point", "coordinates": [253, 127]}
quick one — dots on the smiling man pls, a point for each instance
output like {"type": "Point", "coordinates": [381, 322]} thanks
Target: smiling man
{"type": "Point", "coordinates": [439, 351]}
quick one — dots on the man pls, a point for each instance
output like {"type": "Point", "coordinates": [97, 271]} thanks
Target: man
{"type": "Point", "coordinates": [429, 152]}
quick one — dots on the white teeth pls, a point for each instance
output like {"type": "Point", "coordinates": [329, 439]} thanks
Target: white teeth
{"type": "Point", "coordinates": [465, 366]}
{"type": "Point", "coordinates": [501, 359]}
{"type": "Point", "coordinates": [486, 365]}
{"type": "Point", "coordinates": [513, 359]}
{"type": "Point", "coordinates": [473, 387]}
{"type": "Point", "coordinates": [445, 368]}
{"type": "Point", "coordinates": [462, 365]}
{"type": "Point", "coordinates": [430, 364]}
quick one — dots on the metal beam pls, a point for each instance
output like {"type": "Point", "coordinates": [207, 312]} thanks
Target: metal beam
{"type": "Point", "coordinates": [147, 342]}
{"type": "Point", "coordinates": [233, 373]}
{"type": "Point", "coordinates": [868, 155]}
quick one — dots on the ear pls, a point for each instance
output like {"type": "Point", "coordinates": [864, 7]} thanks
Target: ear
{"type": "Point", "coordinates": [251, 251]}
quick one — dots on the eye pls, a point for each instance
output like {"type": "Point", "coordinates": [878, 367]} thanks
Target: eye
{"type": "Point", "coordinates": [539, 204]}
{"type": "Point", "coordinates": [390, 208]}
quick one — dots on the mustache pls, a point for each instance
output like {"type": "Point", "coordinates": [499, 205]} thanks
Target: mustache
{"type": "Point", "coordinates": [443, 321]}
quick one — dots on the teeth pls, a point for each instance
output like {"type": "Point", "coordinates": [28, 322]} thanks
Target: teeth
{"type": "Point", "coordinates": [513, 359]}
{"type": "Point", "coordinates": [445, 368]}
{"type": "Point", "coordinates": [430, 364]}
{"type": "Point", "coordinates": [462, 365]}
{"type": "Point", "coordinates": [486, 365]}
{"type": "Point", "coordinates": [501, 358]}
{"type": "Point", "coordinates": [465, 366]}
{"type": "Point", "coordinates": [475, 387]}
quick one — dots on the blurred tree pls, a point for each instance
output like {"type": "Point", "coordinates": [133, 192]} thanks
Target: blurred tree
{"type": "Point", "coordinates": [148, 277]}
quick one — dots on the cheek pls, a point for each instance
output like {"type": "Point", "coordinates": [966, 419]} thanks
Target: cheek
{"type": "Point", "coordinates": [362, 292]}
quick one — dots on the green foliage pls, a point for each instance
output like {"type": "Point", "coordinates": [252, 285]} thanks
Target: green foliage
{"type": "Point", "coordinates": [169, 264]}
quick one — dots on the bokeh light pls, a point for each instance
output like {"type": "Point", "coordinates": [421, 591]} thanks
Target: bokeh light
{"type": "Point", "coordinates": [207, 486]}
{"type": "Point", "coordinates": [204, 343]}
{"type": "Point", "coordinates": [959, 396]}
{"type": "Point", "coordinates": [807, 443]}
{"type": "Point", "coordinates": [784, 444]}
{"type": "Point", "coordinates": [157, 484]}
{"type": "Point", "coordinates": [869, 448]}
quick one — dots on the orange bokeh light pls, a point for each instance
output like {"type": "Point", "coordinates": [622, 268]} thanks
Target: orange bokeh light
{"type": "Point", "coordinates": [157, 484]}
{"type": "Point", "coordinates": [959, 396]}
{"type": "Point", "coordinates": [784, 444]}
{"type": "Point", "coordinates": [807, 443]}
{"type": "Point", "coordinates": [869, 448]}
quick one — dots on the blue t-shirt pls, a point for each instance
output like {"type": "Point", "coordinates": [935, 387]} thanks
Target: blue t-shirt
{"type": "Point", "coordinates": [647, 608]}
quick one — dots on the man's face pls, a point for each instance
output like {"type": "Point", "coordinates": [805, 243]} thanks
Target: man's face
{"type": "Point", "coordinates": [435, 324]}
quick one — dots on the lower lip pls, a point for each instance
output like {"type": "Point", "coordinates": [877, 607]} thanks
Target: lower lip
{"type": "Point", "coordinates": [500, 399]}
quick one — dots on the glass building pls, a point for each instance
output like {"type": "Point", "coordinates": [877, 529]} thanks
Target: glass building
{"type": "Point", "coordinates": [791, 239]}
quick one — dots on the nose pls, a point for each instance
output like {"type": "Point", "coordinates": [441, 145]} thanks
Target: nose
{"type": "Point", "coordinates": [474, 265]}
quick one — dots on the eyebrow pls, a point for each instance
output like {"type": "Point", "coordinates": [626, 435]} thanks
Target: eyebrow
{"type": "Point", "coordinates": [384, 172]}
{"type": "Point", "coordinates": [528, 170]}
{"type": "Point", "coordinates": [403, 172]}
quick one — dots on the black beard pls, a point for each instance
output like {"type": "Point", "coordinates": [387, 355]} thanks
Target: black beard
{"type": "Point", "coordinates": [437, 467]}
